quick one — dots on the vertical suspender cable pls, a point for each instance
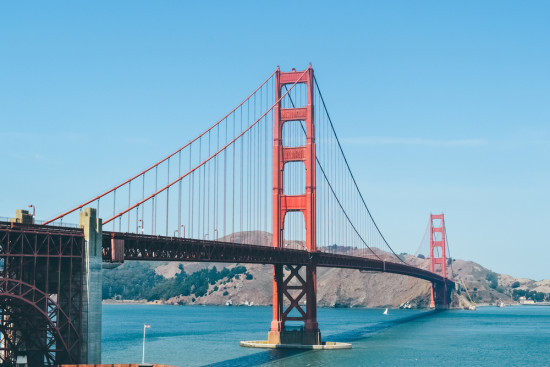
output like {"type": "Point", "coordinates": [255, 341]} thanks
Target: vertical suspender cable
{"type": "Point", "coordinates": [167, 196]}
{"type": "Point", "coordinates": [129, 191]}
{"type": "Point", "coordinates": [179, 195]}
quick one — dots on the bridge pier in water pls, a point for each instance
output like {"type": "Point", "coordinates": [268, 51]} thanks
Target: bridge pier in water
{"type": "Point", "coordinates": [279, 333]}
{"type": "Point", "coordinates": [90, 346]}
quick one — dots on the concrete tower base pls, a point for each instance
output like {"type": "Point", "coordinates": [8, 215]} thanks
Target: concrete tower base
{"type": "Point", "coordinates": [302, 337]}
{"type": "Point", "coordinates": [266, 345]}
{"type": "Point", "coordinates": [92, 286]}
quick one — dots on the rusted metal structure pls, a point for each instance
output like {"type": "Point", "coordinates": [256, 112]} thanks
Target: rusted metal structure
{"type": "Point", "coordinates": [40, 294]}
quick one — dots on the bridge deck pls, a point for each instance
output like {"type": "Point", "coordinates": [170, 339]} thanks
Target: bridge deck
{"type": "Point", "coordinates": [160, 248]}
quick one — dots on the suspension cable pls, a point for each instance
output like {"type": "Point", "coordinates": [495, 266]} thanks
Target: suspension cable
{"type": "Point", "coordinates": [332, 190]}
{"type": "Point", "coordinates": [209, 158]}
{"type": "Point", "coordinates": [158, 163]}
{"type": "Point", "coordinates": [351, 174]}
{"type": "Point", "coordinates": [449, 249]}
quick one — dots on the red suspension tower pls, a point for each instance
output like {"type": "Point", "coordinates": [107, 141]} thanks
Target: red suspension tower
{"type": "Point", "coordinates": [292, 288]}
{"type": "Point", "coordinates": [438, 260]}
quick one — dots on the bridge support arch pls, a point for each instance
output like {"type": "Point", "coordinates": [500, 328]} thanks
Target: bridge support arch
{"type": "Point", "coordinates": [33, 326]}
{"type": "Point", "coordinates": [292, 287]}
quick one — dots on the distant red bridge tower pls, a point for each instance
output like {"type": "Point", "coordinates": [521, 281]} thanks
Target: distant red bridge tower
{"type": "Point", "coordinates": [438, 260]}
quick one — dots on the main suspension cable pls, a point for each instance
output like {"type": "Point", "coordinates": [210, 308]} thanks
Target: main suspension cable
{"type": "Point", "coordinates": [351, 174]}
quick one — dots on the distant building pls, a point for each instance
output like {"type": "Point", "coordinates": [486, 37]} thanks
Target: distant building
{"type": "Point", "coordinates": [524, 301]}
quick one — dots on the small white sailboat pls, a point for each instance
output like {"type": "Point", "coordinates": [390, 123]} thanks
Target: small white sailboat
{"type": "Point", "coordinates": [386, 311]}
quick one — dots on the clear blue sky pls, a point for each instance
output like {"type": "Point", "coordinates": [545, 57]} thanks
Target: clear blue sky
{"type": "Point", "coordinates": [441, 105]}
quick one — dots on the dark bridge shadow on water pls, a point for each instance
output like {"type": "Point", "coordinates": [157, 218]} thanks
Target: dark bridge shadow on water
{"type": "Point", "coordinates": [271, 355]}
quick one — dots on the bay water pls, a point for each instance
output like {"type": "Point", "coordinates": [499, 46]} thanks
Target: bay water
{"type": "Point", "coordinates": [210, 335]}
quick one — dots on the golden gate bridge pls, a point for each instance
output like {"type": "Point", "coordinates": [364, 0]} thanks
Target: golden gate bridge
{"type": "Point", "coordinates": [272, 165]}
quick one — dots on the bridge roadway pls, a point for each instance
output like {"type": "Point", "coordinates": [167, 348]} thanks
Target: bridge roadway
{"type": "Point", "coordinates": [161, 248]}
{"type": "Point", "coordinates": [146, 247]}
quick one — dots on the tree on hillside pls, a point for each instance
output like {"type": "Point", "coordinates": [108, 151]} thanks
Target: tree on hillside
{"type": "Point", "coordinates": [492, 278]}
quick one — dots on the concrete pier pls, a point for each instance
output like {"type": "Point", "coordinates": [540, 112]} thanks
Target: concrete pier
{"type": "Point", "coordinates": [92, 287]}
{"type": "Point", "coordinates": [302, 337]}
{"type": "Point", "coordinates": [323, 346]}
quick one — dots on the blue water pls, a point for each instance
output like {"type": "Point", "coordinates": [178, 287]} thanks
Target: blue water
{"type": "Point", "coordinates": [210, 335]}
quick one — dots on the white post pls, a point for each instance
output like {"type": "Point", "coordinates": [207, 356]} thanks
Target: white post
{"type": "Point", "coordinates": [143, 357]}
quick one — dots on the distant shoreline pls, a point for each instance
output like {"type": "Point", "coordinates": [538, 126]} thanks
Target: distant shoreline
{"type": "Point", "coordinates": [157, 303]}
{"type": "Point", "coordinates": [144, 302]}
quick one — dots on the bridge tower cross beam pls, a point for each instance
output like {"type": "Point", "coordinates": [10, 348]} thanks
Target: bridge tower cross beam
{"type": "Point", "coordinates": [283, 204]}
{"type": "Point", "coordinates": [438, 261]}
